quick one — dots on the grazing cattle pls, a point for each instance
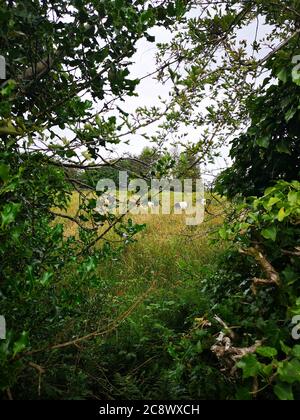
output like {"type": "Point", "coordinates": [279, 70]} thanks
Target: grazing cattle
{"type": "Point", "coordinates": [101, 209]}
{"type": "Point", "coordinates": [104, 204]}
{"type": "Point", "coordinates": [181, 205]}
{"type": "Point", "coordinates": [151, 205]}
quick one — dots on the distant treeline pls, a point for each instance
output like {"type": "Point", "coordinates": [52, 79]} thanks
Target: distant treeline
{"type": "Point", "coordinates": [150, 163]}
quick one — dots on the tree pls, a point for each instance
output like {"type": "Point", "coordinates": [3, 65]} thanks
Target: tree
{"type": "Point", "coordinates": [270, 149]}
{"type": "Point", "coordinates": [57, 54]}
{"type": "Point", "coordinates": [263, 182]}
{"type": "Point", "coordinates": [61, 56]}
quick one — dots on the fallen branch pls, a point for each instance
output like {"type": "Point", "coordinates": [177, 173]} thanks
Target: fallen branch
{"type": "Point", "coordinates": [227, 354]}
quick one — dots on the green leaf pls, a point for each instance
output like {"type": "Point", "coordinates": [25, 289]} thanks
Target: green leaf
{"type": "Point", "coordinates": [150, 38]}
{"type": "Point", "coordinates": [284, 392]}
{"type": "Point", "coordinates": [296, 75]}
{"type": "Point", "coordinates": [268, 352]}
{"type": "Point", "coordinates": [272, 201]}
{"type": "Point", "coordinates": [290, 275]}
{"type": "Point", "coordinates": [147, 15]}
{"type": "Point", "coordinates": [223, 233]}
{"type": "Point", "coordinates": [281, 214]}
{"type": "Point", "coordinates": [296, 351]}
{"type": "Point", "coordinates": [9, 213]}
{"type": "Point", "coordinates": [283, 148]}
{"type": "Point", "coordinates": [289, 371]}
{"type": "Point", "coordinates": [270, 233]}
{"type": "Point", "coordinates": [293, 197]}
{"type": "Point", "coordinates": [267, 370]}
{"type": "Point", "coordinates": [250, 366]}
{"type": "Point", "coordinates": [4, 172]}
{"type": "Point", "coordinates": [283, 75]}
{"type": "Point", "coordinates": [243, 394]}
{"type": "Point", "coordinates": [290, 114]}
{"type": "Point", "coordinates": [286, 350]}
{"type": "Point", "coordinates": [45, 279]}
{"type": "Point", "coordinates": [21, 344]}
{"type": "Point", "coordinates": [263, 142]}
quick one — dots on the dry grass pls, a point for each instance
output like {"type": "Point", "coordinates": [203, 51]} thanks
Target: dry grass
{"type": "Point", "coordinates": [167, 252]}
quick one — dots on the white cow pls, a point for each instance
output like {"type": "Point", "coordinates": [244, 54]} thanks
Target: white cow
{"type": "Point", "coordinates": [104, 204]}
{"type": "Point", "coordinates": [181, 205]}
{"type": "Point", "coordinates": [151, 205]}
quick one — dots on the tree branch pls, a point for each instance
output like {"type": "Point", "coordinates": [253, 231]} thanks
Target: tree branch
{"type": "Point", "coordinates": [273, 277]}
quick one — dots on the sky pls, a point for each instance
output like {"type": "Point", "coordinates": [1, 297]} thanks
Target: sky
{"type": "Point", "coordinates": [150, 89]}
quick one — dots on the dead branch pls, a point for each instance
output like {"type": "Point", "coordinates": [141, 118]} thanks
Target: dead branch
{"type": "Point", "coordinates": [271, 274]}
{"type": "Point", "coordinates": [224, 325]}
{"type": "Point", "coordinates": [295, 253]}
{"type": "Point", "coordinates": [229, 355]}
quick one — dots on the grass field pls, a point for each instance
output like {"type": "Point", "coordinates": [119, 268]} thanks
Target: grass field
{"type": "Point", "coordinates": [137, 306]}
{"type": "Point", "coordinates": [167, 252]}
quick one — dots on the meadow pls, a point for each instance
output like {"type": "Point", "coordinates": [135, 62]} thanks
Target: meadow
{"type": "Point", "coordinates": [166, 252]}
{"type": "Point", "coordinates": [144, 298]}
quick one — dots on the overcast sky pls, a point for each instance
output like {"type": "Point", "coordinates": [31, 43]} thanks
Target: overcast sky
{"type": "Point", "coordinates": [150, 89]}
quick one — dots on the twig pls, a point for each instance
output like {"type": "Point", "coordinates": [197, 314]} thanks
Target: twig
{"type": "Point", "coordinates": [95, 334]}
{"type": "Point", "coordinates": [279, 47]}
{"type": "Point", "coordinates": [72, 219]}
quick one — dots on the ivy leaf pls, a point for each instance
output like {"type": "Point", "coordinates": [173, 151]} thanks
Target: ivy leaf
{"type": "Point", "coordinates": [284, 392]}
{"type": "Point", "coordinates": [270, 233]}
{"type": "Point", "coordinates": [268, 352]}
{"type": "Point", "coordinates": [289, 371]}
{"type": "Point", "coordinates": [250, 366]}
